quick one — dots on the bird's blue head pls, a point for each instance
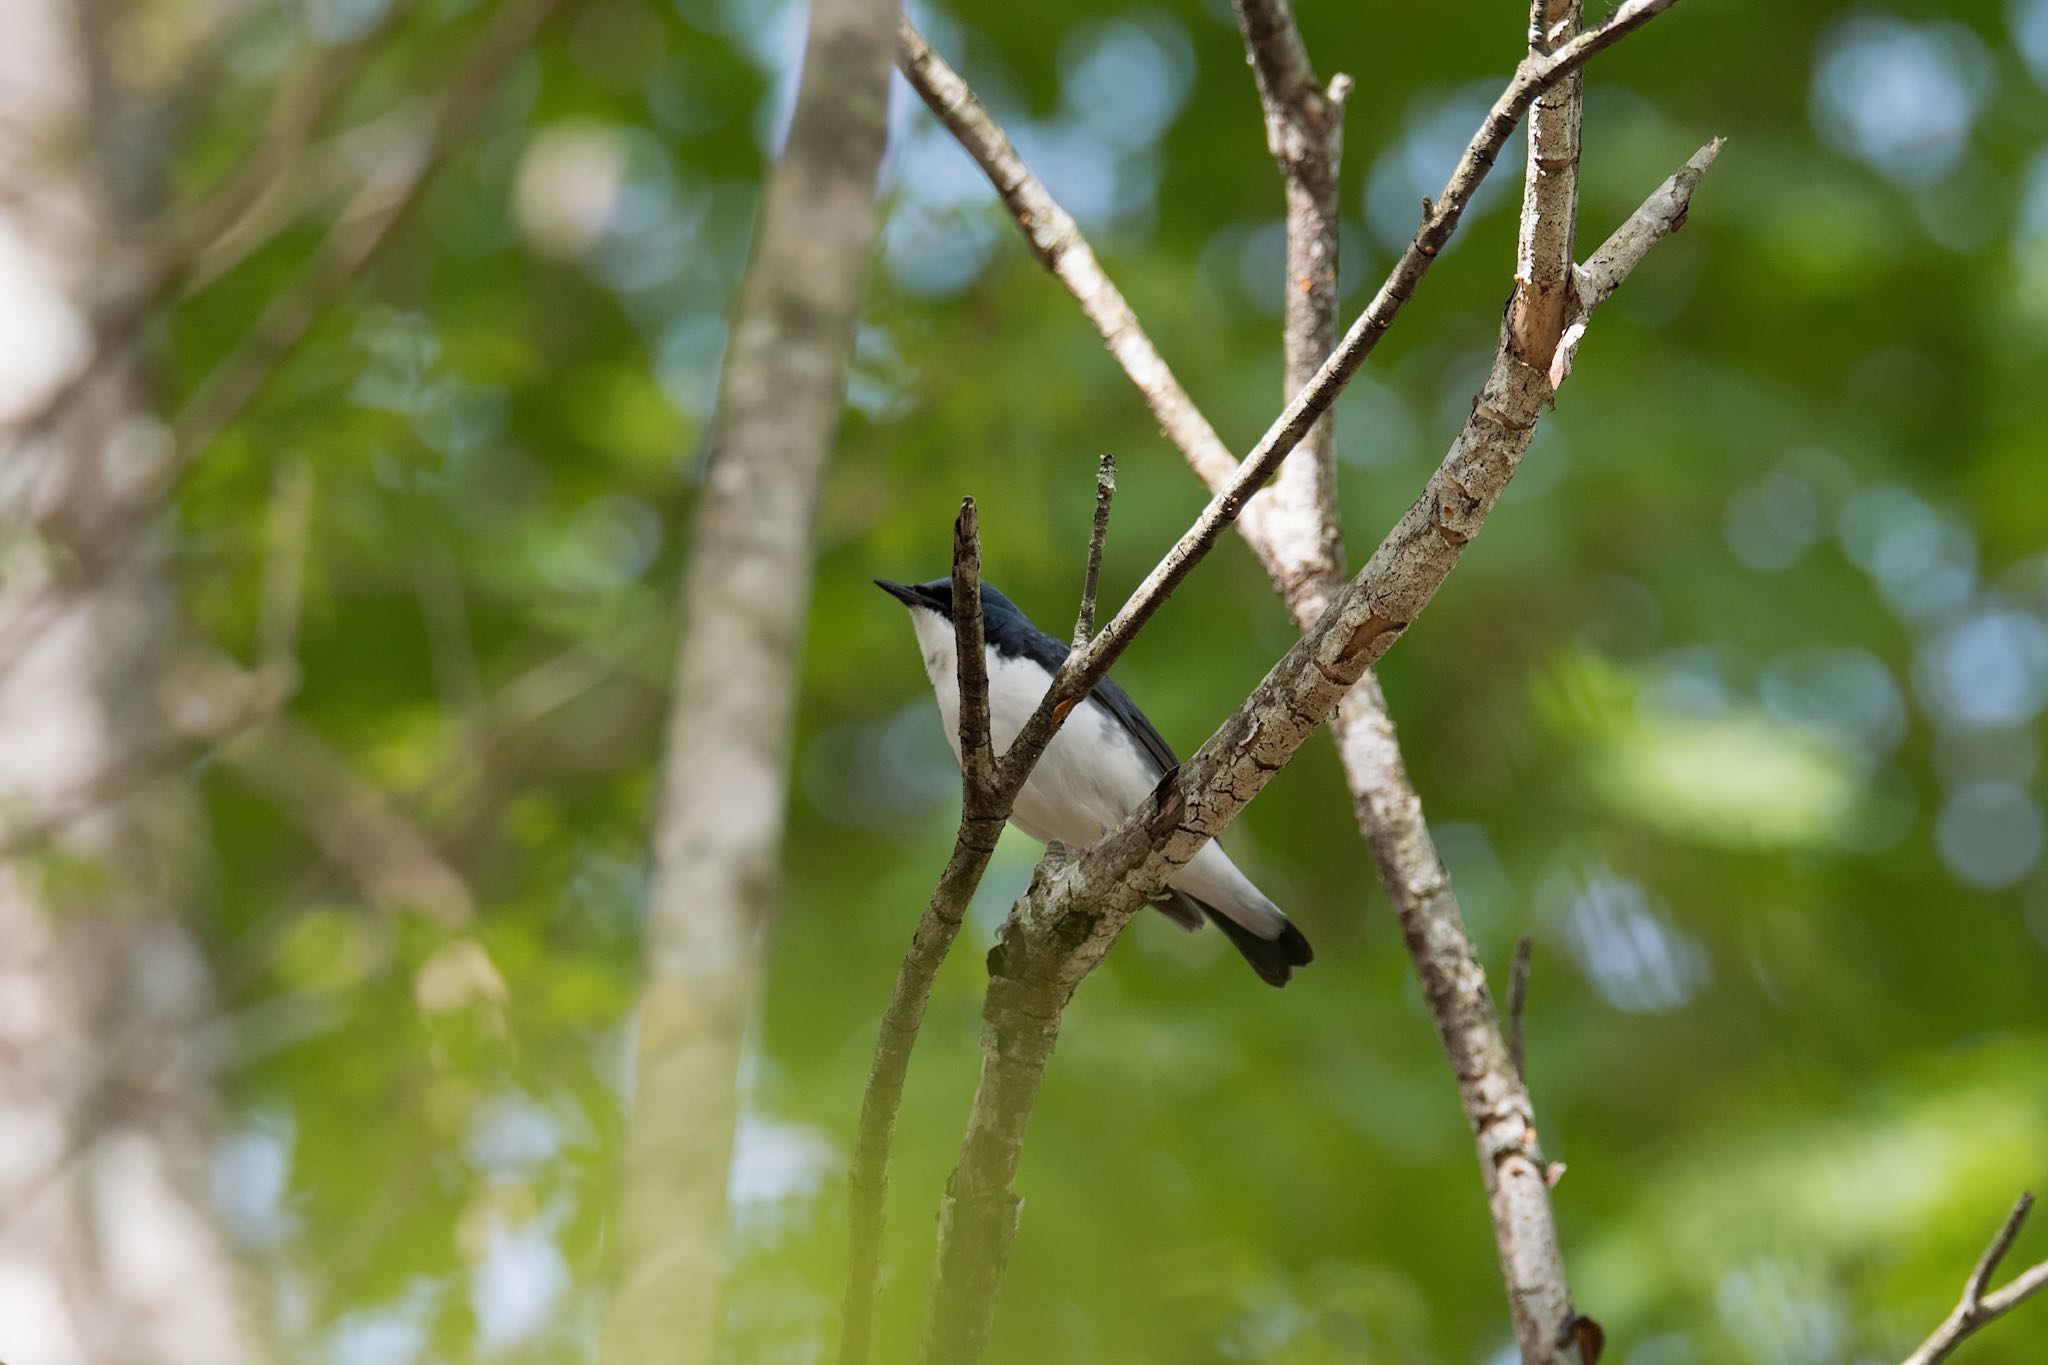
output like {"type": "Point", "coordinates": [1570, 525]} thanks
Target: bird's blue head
{"type": "Point", "coordinates": [937, 595]}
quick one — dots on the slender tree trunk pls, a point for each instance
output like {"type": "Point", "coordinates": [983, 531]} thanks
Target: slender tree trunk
{"type": "Point", "coordinates": [107, 1113]}
{"type": "Point", "coordinates": [719, 841]}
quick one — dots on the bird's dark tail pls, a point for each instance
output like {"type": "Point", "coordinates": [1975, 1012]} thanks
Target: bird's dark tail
{"type": "Point", "coordinates": [1274, 959]}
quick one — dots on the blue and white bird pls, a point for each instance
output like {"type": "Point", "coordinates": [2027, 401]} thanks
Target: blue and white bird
{"type": "Point", "coordinates": [1101, 765]}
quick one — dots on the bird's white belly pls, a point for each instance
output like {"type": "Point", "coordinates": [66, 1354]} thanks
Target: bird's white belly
{"type": "Point", "coordinates": [1090, 776]}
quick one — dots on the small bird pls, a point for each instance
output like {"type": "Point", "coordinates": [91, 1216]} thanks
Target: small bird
{"type": "Point", "coordinates": [1101, 765]}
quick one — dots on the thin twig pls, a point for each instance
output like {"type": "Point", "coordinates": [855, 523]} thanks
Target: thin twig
{"type": "Point", "coordinates": [1105, 493]}
{"type": "Point", "coordinates": [1977, 1307]}
{"type": "Point", "coordinates": [977, 756]}
{"type": "Point", "coordinates": [1518, 1000]}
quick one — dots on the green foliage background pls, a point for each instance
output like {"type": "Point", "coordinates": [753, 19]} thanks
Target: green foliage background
{"type": "Point", "coordinates": [1736, 706]}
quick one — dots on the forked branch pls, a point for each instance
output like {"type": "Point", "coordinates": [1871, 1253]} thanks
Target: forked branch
{"type": "Point", "coordinates": [1978, 1307]}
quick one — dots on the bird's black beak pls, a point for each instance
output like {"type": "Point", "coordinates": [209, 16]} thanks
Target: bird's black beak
{"type": "Point", "coordinates": [906, 595]}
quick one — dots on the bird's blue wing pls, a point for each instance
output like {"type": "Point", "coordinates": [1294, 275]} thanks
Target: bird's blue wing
{"type": "Point", "coordinates": [1119, 704]}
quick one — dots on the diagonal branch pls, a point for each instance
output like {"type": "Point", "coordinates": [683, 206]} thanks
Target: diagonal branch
{"type": "Point", "coordinates": [1978, 1308]}
{"type": "Point", "coordinates": [1091, 579]}
{"type": "Point", "coordinates": [1056, 240]}
{"type": "Point", "coordinates": [977, 752]}
{"type": "Point", "coordinates": [1495, 1098]}
{"type": "Point", "coordinates": [1066, 923]}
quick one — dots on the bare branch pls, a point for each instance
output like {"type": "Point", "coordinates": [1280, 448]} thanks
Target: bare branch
{"type": "Point", "coordinates": [1656, 218]}
{"type": "Point", "coordinates": [977, 757]}
{"type": "Point", "coordinates": [1288, 545]}
{"type": "Point", "coordinates": [1495, 1099]}
{"type": "Point", "coordinates": [1105, 493]}
{"type": "Point", "coordinates": [955, 106]}
{"type": "Point", "coordinates": [1088, 666]}
{"type": "Point", "coordinates": [1056, 240]}
{"type": "Point", "coordinates": [1550, 195]}
{"type": "Point", "coordinates": [1977, 1307]}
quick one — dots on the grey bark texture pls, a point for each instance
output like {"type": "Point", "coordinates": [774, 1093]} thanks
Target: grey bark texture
{"type": "Point", "coordinates": [108, 1107]}
{"type": "Point", "coordinates": [718, 840]}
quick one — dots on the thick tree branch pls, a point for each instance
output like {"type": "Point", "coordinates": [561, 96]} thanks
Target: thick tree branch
{"type": "Point", "coordinates": [1496, 1102]}
{"type": "Point", "coordinates": [1066, 924]}
{"type": "Point", "coordinates": [718, 838]}
{"type": "Point", "coordinates": [1292, 545]}
{"type": "Point", "coordinates": [1978, 1308]}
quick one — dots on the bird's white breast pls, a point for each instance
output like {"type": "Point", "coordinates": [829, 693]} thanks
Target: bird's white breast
{"type": "Point", "coordinates": [1091, 775]}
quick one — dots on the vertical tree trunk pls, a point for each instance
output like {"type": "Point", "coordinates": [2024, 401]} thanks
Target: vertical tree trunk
{"type": "Point", "coordinates": [718, 846]}
{"type": "Point", "coordinates": [107, 1248]}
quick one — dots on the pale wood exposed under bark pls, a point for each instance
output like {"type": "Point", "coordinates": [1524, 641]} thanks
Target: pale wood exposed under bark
{"type": "Point", "coordinates": [718, 841]}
